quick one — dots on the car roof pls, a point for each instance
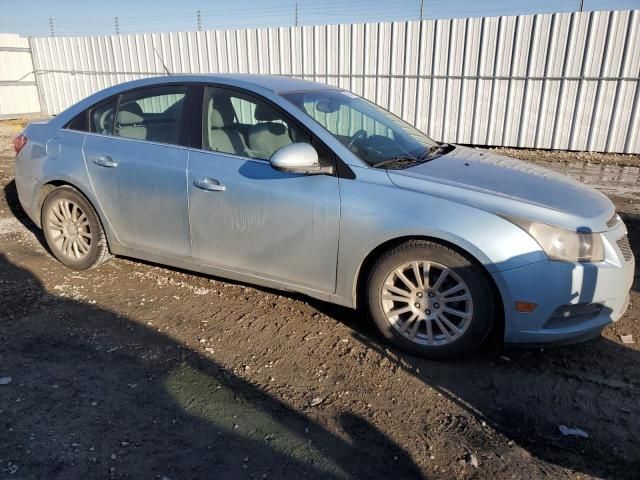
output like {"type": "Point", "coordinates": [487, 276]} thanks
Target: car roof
{"type": "Point", "coordinates": [273, 83]}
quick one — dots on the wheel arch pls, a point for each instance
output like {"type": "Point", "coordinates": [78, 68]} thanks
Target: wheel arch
{"type": "Point", "coordinates": [370, 259]}
{"type": "Point", "coordinates": [48, 187]}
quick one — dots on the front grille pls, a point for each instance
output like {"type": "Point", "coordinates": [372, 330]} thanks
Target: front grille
{"type": "Point", "coordinates": [613, 221]}
{"type": "Point", "coordinates": [625, 247]}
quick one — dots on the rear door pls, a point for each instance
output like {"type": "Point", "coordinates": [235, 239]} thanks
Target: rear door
{"type": "Point", "coordinates": [137, 160]}
{"type": "Point", "coordinates": [248, 217]}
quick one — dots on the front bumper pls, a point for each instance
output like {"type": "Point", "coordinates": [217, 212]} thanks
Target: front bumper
{"type": "Point", "coordinates": [575, 301]}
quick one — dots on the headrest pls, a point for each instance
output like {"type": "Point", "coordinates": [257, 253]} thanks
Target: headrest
{"type": "Point", "coordinates": [133, 107]}
{"type": "Point", "coordinates": [215, 118]}
{"type": "Point", "coordinates": [221, 113]}
{"type": "Point", "coordinates": [130, 113]}
{"type": "Point", "coordinates": [127, 117]}
{"type": "Point", "coordinates": [264, 113]}
{"type": "Point", "coordinates": [276, 128]}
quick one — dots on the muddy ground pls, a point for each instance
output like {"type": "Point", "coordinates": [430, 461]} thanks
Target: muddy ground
{"type": "Point", "coordinates": [138, 371]}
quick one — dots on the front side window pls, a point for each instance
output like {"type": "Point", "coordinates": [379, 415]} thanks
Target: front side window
{"type": "Point", "coordinates": [153, 114]}
{"type": "Point", "coordinates": [372, 133]}
{"type": "Point", "coordinates": [243, 125]}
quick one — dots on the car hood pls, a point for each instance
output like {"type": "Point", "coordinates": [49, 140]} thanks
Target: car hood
{"type": "Point", "coordinates": [509, 187]}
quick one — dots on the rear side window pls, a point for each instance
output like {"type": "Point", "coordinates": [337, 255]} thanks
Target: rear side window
{"type": "Point", "coordinates": [154, 114]}
{"type": "Point", "coordinates": [101, 117]}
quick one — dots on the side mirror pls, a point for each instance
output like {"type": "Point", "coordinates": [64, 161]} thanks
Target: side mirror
{"type": "Point", "coordinates": [298, 158]}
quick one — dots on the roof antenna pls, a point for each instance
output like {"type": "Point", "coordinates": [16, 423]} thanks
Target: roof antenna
{"type": "Point", "coordinates": [161, 60]}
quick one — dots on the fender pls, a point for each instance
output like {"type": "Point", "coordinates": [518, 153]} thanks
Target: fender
{"type": "Point", "coordinates": [370, 217]}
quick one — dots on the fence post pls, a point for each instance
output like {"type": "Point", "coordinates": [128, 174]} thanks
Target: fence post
{"type": "Point", "coordinates": [36, 77]}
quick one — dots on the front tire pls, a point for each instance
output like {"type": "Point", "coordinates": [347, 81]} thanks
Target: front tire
{"type": "Point", "coordinates": [430, 300]}
{"type": "Point", "coordinates": [73, 230]}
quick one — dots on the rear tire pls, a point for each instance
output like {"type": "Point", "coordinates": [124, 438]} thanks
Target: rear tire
{"type": "Point", "coordinates": [430, 300]}
{"type": "Point", "coordinates": [73, 230]}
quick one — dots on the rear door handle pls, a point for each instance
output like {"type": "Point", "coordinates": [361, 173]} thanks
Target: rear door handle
{"type": "Point", "coordinates": [105, 161]}
{"type": "Point", "coordinates": [209, 184]}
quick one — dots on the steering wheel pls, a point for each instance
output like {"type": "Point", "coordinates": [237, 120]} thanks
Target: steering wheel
{"type": "Point", "coordinates": [359, 135]}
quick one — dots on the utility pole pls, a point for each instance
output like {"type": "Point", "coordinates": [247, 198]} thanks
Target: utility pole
{"type": "Point", "coordinates": [51, 30]}
{"type": "Point", "coordinates": [116, 24]}
{"type": "Point", "coordinates": [199, 20]}
{"type": "Point", "coordinates": [296, 18]}
{"type": "Point", "coordinates": [581, 4]}
{"type": "Point", "coordinates": [421, 10]}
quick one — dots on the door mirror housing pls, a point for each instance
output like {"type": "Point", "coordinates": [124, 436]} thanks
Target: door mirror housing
{"type": "Point", "coordinates": [298, 158]}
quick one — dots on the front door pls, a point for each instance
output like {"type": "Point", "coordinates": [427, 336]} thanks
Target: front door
{"type": "Point", "coordinates": [248, 217]}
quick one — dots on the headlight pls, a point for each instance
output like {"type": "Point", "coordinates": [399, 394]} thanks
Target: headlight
{"type": "Point", "coordinates": [561, 244]}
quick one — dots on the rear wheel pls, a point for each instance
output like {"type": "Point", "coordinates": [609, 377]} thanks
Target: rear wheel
{"type": "Point", "coordinates": [73, 230]}
{"type": "Point", "coordinates": [430, 300]}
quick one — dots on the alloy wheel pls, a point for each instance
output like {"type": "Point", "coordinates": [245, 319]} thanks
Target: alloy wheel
{"type": "Point", "coordinates": [428, 303]}
{"type": "Point", "coordinates": [69, 229]}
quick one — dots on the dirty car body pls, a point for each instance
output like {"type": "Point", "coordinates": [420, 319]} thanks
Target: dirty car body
{"type": "Point", "coordinates": [187, 185]}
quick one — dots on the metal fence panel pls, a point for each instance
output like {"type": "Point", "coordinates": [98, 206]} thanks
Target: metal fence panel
{"type": "Point", "coordinates": [559, 81]}
{"type": "Point", "coordinates": [18, 90]}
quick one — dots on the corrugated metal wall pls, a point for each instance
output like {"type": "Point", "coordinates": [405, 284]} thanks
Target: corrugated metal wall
{"type": "Point", "coordinates": [18, 91]}
{"type": "Point", "coordinates": [561, 81]}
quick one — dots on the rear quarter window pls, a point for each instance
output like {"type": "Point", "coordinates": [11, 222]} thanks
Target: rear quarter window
{"type": "Point", "coordinates": [78, 123]}
{"type": "Point", "coordinates": [101, 117]}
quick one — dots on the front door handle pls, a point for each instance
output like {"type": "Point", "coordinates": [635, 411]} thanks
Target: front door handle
{"type": "Point", "coordinates": [210, 184]}
{"type": "Point", "coordinates": [105, 161]}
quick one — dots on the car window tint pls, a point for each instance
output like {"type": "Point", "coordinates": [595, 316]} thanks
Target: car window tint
{"type": "Point", "coordinates": [243, 125]}
{"type": "Point", "coordinates": [153, 114]}
{"type": "Point", "coordinates": [78, 123]}
{"type": "Point", "coordinates": [101, 117]}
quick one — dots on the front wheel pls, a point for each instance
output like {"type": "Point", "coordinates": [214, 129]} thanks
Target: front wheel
{"type": "Point", "coordinates": [73, 230]}
{"type": "Point", "coordinates": [430, 300]}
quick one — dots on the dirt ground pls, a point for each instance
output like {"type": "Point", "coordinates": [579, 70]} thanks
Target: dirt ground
{"type": "Point", "coordinates": [555, 156]}
{"type": "Point", "coordinates": [137, 371]}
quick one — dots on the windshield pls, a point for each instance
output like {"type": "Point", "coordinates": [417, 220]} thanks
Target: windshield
{"type": "Point", "coordinates": [372, 133]}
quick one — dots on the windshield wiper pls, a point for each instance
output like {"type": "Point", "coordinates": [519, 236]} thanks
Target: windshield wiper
{"type": "Point", "coordinates": [401, 161]}
{"type": "Point", "coordinates": [442, 148]}
{"type": "Point", "coordinates": [405, 161]}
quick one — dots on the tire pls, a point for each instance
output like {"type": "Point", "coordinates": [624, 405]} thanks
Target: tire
{"type": "Point", "coordinates": [414, 319]}
{"type": "Point", "coordinates": [73, 230]}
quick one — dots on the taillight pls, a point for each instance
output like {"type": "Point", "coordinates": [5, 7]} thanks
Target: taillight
{"type": "Point", "coordinates": [19, 142]}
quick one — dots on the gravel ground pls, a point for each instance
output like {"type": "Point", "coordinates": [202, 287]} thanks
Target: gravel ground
{"type": "Point", "coordinates": [532, 155]}
{"type": "Point", "coordinates": [135, 370]}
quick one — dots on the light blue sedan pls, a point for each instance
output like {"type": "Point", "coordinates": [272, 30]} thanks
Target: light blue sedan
{"type": "Point", "coordinates": [309, 188]}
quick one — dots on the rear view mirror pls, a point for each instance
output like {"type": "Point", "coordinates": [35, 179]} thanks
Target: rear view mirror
{"type": "Point", "coordinates": [298, 158]}
{"type": "Point", "coordinates": [327, 106]}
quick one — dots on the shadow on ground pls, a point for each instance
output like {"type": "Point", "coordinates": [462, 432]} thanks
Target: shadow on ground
{"type": "Point", "coordinates": [96, 394]}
